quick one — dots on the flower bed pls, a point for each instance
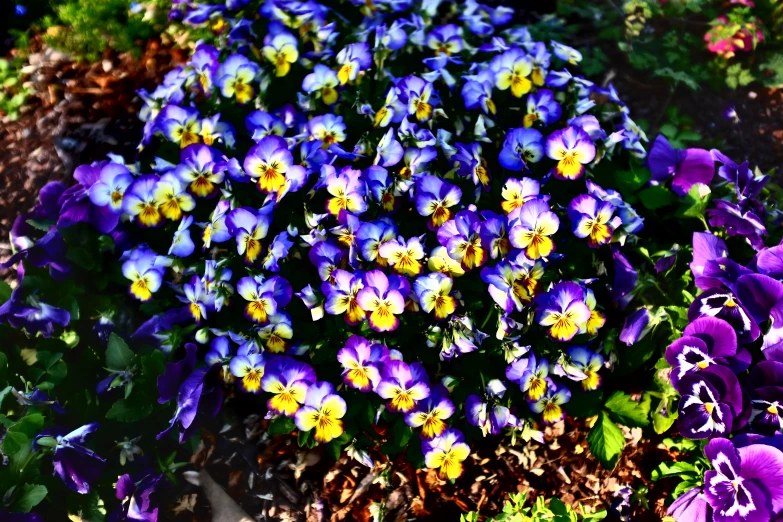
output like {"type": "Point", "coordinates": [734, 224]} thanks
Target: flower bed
{"type": "Point", "coordinates": [403, 227]}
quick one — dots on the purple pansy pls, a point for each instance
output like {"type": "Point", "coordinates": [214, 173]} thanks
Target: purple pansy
{"type": "Point", "coordinates": [686, 167]}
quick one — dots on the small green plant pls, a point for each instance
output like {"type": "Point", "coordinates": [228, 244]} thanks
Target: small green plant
{"type": "Point", "coordinates": [13, 94]}
{"type": "Point", "coordinates": [85, 28]}
{"type": "Point", "coordinates": [515, 510]}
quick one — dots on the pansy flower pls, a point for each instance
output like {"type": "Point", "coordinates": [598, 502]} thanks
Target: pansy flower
{"type": "Point", "coordinates": [572, 148]}
{"type": "Point", "coordinates": [109, 190]}
{"type": "Point", "coordinates": [711, 402]}
{"type": "Point", "coordinates": [384, 299]}
{"type": "Point", "coordinates": [705, 342]}
{"type": "Point", "coordinates": [268, 161]}
{"type": "Point", "coordinates": [686, 167]}
{"type": "Point", "coordinates": [549, 406]}
{"type": "Point", "coordinates": [327, 128]}
{"type": "Point", "coordinates": [277, 335]}
{"type": "Point", "coordinates": [434, 292]}
{"type": "Point", "coordinates": [430, 413]}
{"type": "Point", "coordinates": [403, 256]}
{"type": "Point", "coordinates": [541, 107]}
{"type": "Point", "coordinates": [281, 51]}
{"type": "Point", "coordinates": [205, 65]}
{"type": "Point", "coordinates": [461, 237]}
{"type": "Point", "coordinates": [419, 96]}
{"type": "Point", "coordinates": [589, 363]}
{"type": "Point", "coordinates": [533, 224]}
{"type": "Point", "coordinates": [287, 380]}
{"type": "Point", "coordinates": [494, 236]}
{"type": "Point", "coordinates": [403, 385]}
{"type": "Point", "coordinates": [179, 125]}
{"type": "Point", "coordinates": [512, 69]}
{"type": "Point", "coordinates": [196, 298]}
{"type": "Point", "coordinates": [446, 453]}
{"type": "Point", "coordinates": [723, 304]}
{"type": "Point", "coordinates": [145, 274]}
{"type": "Point", "coordinates": [593, 219]}
{"type": "Point", "coordinates": [77, 466]}
{"type": "Point", "coordinates": [488, 414]}
{"type": "Point", "coordinates": [389, 150]}
{"type": "Point", "coordinates": [347, 190]}
{"type": "Point", "coordinates": [434, 197]}
{"type": "Point", "coordinates": [323, 82]}
{"type": "Point", "coordinates": [520, 148]}
{"type": "Point", "coordinates": [765, 383]}
{"type": "Point", "coordinates": [341, 296]}
{"type": "Point", "coordinates": [174, 200]}
{"type": "Point", "coordinates": [532, 376]}
{"type": "Point", "coordinates": [564, 311]}
{"type": "Point", "coordinates": [478, 94]}
{"type": "Point", "coordinates": [235, 76]}
{"type": "Point", "coordinates": [517, 192]}
{"type": "Point", "coordinates": [353, 59]}
{"type": "Point", "coordinates": [745, 483]}
{"type": "Point", "coordinates": [505, 286]}
{"type": "Point", "coordinates": [260, 297]}
{"type": "Point", "coordinates": [249, 369]}
{"type": "Point", "coordinates": [472, 164]}
{"type": "Point", "coordinates": [322, 411]}
{"type": "Point", "coordinates": [216, 230]}
{"type": "Point", "coordinates": [565, 53]}
{"type": "Point", "coordinates": [441, 261]}
{"type": "Point", "coordinates": [445, 39]}
{"type": "Point", "coordinates": [199, 169]}
{"type": "Point", "coordinates": [327, 257]}
{"type": "Point", "coordinates": [249, 228]}
{"type": "Point", "coordinates": [261, 124]}
{"type": "Point", "coordinates": [140, 202]}
{"type": "Point", "coordinates": [360, 360]}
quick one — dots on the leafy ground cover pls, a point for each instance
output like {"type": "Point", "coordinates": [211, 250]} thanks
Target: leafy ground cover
{"type": "Point", "coordinates": [463, 198]}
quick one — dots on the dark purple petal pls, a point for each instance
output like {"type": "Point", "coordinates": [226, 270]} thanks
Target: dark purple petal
{"type": "Point", "coordinates": [759, 294]}
{"type": "Point", "coordinates": [724, 305]}
{"type": "Point", "coordinates": [764, 465]}
{"type": "Point", "coordinates": [692, 506]}
{"type": "Point", "coordinates": [706, 247]}
{"type": "Point", "coordinates": [634, 327]}
{"type": "Point", "coordinates": [662, 159]}
{"type": "Point", "coordinates": [77, 467]}
{"type": "Point", "coordinates": [176, 373]}
{"type": "Point", "coordinates": [770, 262]}
{"type": "Point", "coordinates": [720, 337]}
{"type": "Point", "coordinates": [625, 277]}
{"type": "Point", "coordinates": [694, 166]}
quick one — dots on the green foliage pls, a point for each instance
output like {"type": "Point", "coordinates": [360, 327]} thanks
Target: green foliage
{"type": "Point", "coordinates": [13, 95]}
{"type": "Point", "coordinates": [516, 510]}
{"type": "Point", "coordinates": [86, 28]}
{"type": "Point", "coordinates": [738, 76]}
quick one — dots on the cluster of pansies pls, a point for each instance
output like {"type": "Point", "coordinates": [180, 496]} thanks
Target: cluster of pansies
{"type": "Point", "coordinates": [727, 366]}
{"type": "Point", "coordinates": [323, 208]}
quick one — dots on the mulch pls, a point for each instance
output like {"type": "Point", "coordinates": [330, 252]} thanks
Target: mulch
{"type": "Point", "coordinates": [79, 112]}
{"type": "Point", "coordinates": [273, 479]}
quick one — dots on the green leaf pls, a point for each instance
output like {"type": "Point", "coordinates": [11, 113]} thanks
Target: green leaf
{"type": "Point", "coordinates": [662, 423]}
{"type": "Point", "coordinates": [132, 409]}
{"type": "Point", "coordinates": [631, 181]}
{"type": "Point", "coordinates": [656, 197]}
{"type": "Point", "coordinates": [17, 446]}
{"type": "Point", "coordinates": [5, 292]}
{"type": "Point", "coordinates": [606, 441]}
{"type": "Point", "coordinates": [676, 469]}
{"type": "Point", "coordinates": [694, 204]}
{"type": "Point", "coordinates": [281, 425]}
{"type": "Point", "coordinates": [27, 497]}
{"type": "Point", "coordinates": [627, 411]}
{"type": "Point", "coordinates": [31, 425]}
{"type": "Point", "coordinates": [118, 355]}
